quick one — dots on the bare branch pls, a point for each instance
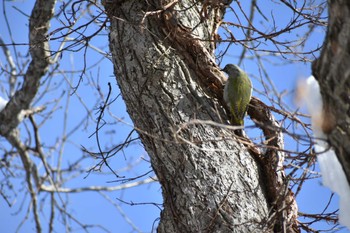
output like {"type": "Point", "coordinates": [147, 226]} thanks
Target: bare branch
{"type": "Point", "coordinates": [39, 49]}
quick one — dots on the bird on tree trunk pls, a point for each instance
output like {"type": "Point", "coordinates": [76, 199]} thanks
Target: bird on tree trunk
{"type": "Point", "coordinates": [237, 93]}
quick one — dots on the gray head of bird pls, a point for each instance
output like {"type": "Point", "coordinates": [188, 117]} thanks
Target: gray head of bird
{"type": "Point", "coordinates": [232, 70]}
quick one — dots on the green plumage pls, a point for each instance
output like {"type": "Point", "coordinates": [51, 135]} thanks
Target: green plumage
{"type": "Point", "coordinates": [237, 93]}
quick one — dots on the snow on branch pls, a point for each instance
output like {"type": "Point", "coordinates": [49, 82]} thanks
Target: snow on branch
{"type": "Point", "coordinates": [333, 175]}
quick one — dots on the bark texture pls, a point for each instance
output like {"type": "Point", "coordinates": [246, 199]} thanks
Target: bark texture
{"type": "Point", "coordinates": [332, 70]}
{"type": "Point", "coordinates": [164, 66]}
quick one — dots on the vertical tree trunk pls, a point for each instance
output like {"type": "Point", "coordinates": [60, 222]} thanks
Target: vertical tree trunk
{"type": "Point", "coordinates": [210, 182]}
{"type": "Point", "coordinates": [332, 70]}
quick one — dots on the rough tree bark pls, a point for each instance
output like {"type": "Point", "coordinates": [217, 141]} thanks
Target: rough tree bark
{"type": "Point", "coordinates": [332, 70]}
{"type": "Point", "coordinates": [172, 88]}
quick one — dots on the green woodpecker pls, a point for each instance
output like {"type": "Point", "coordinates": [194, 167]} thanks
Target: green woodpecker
{"type": "Point", "coordinates": [237, 93]}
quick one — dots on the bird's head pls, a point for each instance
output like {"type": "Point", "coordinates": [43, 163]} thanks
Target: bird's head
{"type": "Point", "coordinates": [232, 70]}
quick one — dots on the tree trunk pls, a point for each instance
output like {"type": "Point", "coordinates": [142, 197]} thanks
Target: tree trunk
{"type": "Point", "coordinates": [332, 70]}
{"type": "Point", "coordinates": [169, 81]}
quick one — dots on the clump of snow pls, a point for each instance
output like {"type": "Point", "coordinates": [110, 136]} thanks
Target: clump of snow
{"type": "Point", "coordinates": [332, 172]}
{"type": "Point", "coordinates": [3, 103]}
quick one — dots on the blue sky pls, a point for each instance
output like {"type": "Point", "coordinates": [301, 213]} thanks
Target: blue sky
{"type": "Point", "coordinates": [93, 208]}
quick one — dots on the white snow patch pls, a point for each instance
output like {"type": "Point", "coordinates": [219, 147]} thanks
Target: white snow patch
{"type": "Point", "coordinates": [332, 172]}
{"type": "Point", "coordinates": [3, 103]}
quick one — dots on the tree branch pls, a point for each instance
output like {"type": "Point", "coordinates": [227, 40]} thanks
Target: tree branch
{"type": "Point", "coordinates": [39, 24]}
